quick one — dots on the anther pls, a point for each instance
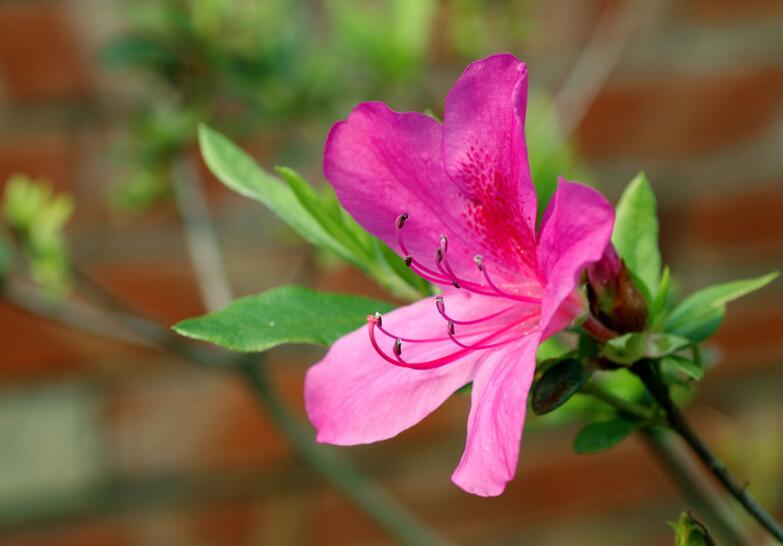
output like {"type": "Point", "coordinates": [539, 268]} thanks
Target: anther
{"type": "Point", "coordinates": [451, 328]}
{"type": "Point", "coordinates": [440, 305]}
{"type": "Point", "coordinates": [378, 318]}
{"type": "Point", "coordinates": [397, 347]}
{"type": "Point", "coordinates": [443, 243]}
{"type": "Point", "coordinates": [479, 261]}
{"type": "Point", "coordinates": [455, 284]}
{"type": "Point", "coordinates": [439, 255]}
{"type": "Point", "coordinates": [408, 260]}
{"type": "Point", "coordinates": [401, 220]}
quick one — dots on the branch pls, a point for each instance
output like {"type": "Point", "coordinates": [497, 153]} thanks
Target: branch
{"type": "Point", "coordinates": [648, 372]}
{"type": "Point", "coordinates": [698, 491]}
{"type": "Point", "coordinates": [385, 510]}
{"type": "Point", "coordinates": [200, 236]}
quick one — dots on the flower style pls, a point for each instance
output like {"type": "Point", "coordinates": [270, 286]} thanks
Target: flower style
{"type": "Point", "coordinates": [456, 201]}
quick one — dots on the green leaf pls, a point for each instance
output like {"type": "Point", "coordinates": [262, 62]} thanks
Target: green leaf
{"type": "Point", "coordinates": [700, 314]}
{"type": "Point", "coordinates": [241, 173]}
{"type": "Point", "coordinates": [636, 233]}
{"type": "Point", "coordinates": [662, 296]}
{"type": "Point", "coordinates": [688, 367]}
{"type": "Point", "coordinates": [689, 531]}
{"type": "Point", "coordinates": [629, 348]}
{"type": "Point", "coordinates": [558, 383]}
{"type": "Point", "coordinates": [597, 437]}
{"type": "Point", "coordinates": [289, 314]}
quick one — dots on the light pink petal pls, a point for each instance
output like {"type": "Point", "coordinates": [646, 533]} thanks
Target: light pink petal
{"type": "Point", "coordinates": [353, 396]}
{"type": "Point", "coordinates": [497, 416]}
{"type": "Point", "coordinates": [484, 152]}
{"type": "Point", "coordinates": [384, 163]}
{"type": "Point", "coordinates": [576, 228]}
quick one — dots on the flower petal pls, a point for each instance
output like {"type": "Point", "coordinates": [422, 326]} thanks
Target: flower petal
{"type": "Point", "coordinates": [384, 163]}
{"type": "Point", "coordinates": [497, 416]}
{"type": "Point", "coordinates": [576, 228]}
{"type": "Point", "coordinates": [484, 152]}
{"type": "Point", "coordinates": [353, 396]}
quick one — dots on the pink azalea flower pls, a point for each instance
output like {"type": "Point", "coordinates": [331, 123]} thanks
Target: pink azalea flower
{"type": "Point", "coordinates": [456, 201]}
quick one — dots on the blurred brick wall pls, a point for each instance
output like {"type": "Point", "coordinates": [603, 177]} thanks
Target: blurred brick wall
{"type": "Point", "coordinates": [106, 445]}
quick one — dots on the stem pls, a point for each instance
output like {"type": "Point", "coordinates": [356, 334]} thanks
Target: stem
{"type": "Point", "coordinates": [698, 491]}
{"type": "Point", "coordinates": [200, 236]}
{"type": "Point", "coordinates": [360, 489]}
{"type": "Point", "coordinates": [385, 510]}
{"type": "Point", "coordinates": [623, 406]}
{"type": "Point", "coordinates": [650, 375]}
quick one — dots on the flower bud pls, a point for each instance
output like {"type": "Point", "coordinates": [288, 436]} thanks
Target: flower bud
{"type": "Point", "coordinates": [614, 299]}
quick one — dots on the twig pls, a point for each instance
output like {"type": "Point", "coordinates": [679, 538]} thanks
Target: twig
{"type": "Point", "coordinates": [699, 492]}
{"type": "Point", "coordinates": [393, 517]}
{"type": "Point", "coordinates": [595, 64]}
{"type": "Point", "coordinates": [200, 236]}
{"type": "Point", "coordinates": [361, 490]}
{"type": "Point", "coordinates": [649, 373]}
{"type": "Point", "coordinates": [623, 406]}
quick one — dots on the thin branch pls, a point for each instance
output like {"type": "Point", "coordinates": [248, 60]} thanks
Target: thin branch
{"type": "Point", "coordinates": [362, 491]}
{"type": "Point", "coordinates": [649, 373]}
{"type": "Point", "coordinates": [698, 491]}
{"type": "Point", "coordinates": [385, 510]}
{"type": "Point", "coordinates": [599, 57]}
{"type": "Point", "coordinates": [623, 406]}
{"type": "Point", "coordinates": [200, 236]}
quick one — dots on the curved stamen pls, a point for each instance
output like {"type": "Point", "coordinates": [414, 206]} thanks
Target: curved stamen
{"type": "Point", "coordinates": [441, 306]}
{"type": "Point", "coordinates": [397, 360]}
{"type": "Point", "coordinates": [477, 346]}
{"type": "Point", "coordinates": [378, 319]}
{"type": "Point", "coordinates": [446, 275]}
{"type": "Point", "coordinates": [479, 260]}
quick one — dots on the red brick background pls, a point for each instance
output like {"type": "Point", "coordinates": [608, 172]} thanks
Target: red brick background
{"type": "Point", "coordinates": [171, 454]}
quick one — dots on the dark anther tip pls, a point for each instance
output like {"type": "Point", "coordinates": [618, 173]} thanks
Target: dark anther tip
{"type": "Point", "coordinates": [439, 304]}
{"type": "Point", "coordinates": [455, 284]}
{"type": "Point", "coordinates": [397, 347]}
{"type": "Point", "coordinates": [401, 220]}
{"type": "Point", "coordinates": [439, 255]}
{"type": "Point", "coordinates": [478, 259]}
{"type": "Point", "coordinates": [408, 260]}
{"type": "Point", "coordinates": [451, 327]}
{"type": "Point", "coordinates": [378, 318]}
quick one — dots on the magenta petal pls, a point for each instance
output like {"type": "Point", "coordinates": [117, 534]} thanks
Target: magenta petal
{"type": "Point", "coordinates": [497, 416]}
{"type": "Point", "coordinates": [353, 396]}
{"type": "Point", "coordinates": [576, 228]}
{"type": "Point", "coordinates": [384, 163]}
{"type": "Point", "coordinates": [484, 152]}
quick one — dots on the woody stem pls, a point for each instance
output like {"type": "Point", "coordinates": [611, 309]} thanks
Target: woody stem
{"type": "Point", "coordinates": [648, 372]}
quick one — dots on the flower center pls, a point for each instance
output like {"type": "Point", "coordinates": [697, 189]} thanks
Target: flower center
{"type": "Point", "coordinates": [482, 333]}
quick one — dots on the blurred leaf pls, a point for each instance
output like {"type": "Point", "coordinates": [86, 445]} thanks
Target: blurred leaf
{"type": "Point", "coordinates": [629, 348]}
{"type": "Point", "coordinates": [689, 531]}
{"type": "Point", "coordinates": [597, 437]}
{"type": "Point", "coordinates": [550, 348]}
{"type": "Point", "coordinates": [139, 51]}
{"type": "Point", "coordinates": [557, 384]}
{"type": "Point", "coordinates": [36, 216]}
{"type": "Point", "coordinates": [141, 191]}
{"type": "Point", "coordinates": [6, 256]}
{"type": "Point", "coordinates": [288, 314]}
{"type": "Point", "coordinates": [700, 314]}
{"type": "Point", "coordinates": [635, 234]}
{"type": "Point", "coordinates": [688, 367]}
